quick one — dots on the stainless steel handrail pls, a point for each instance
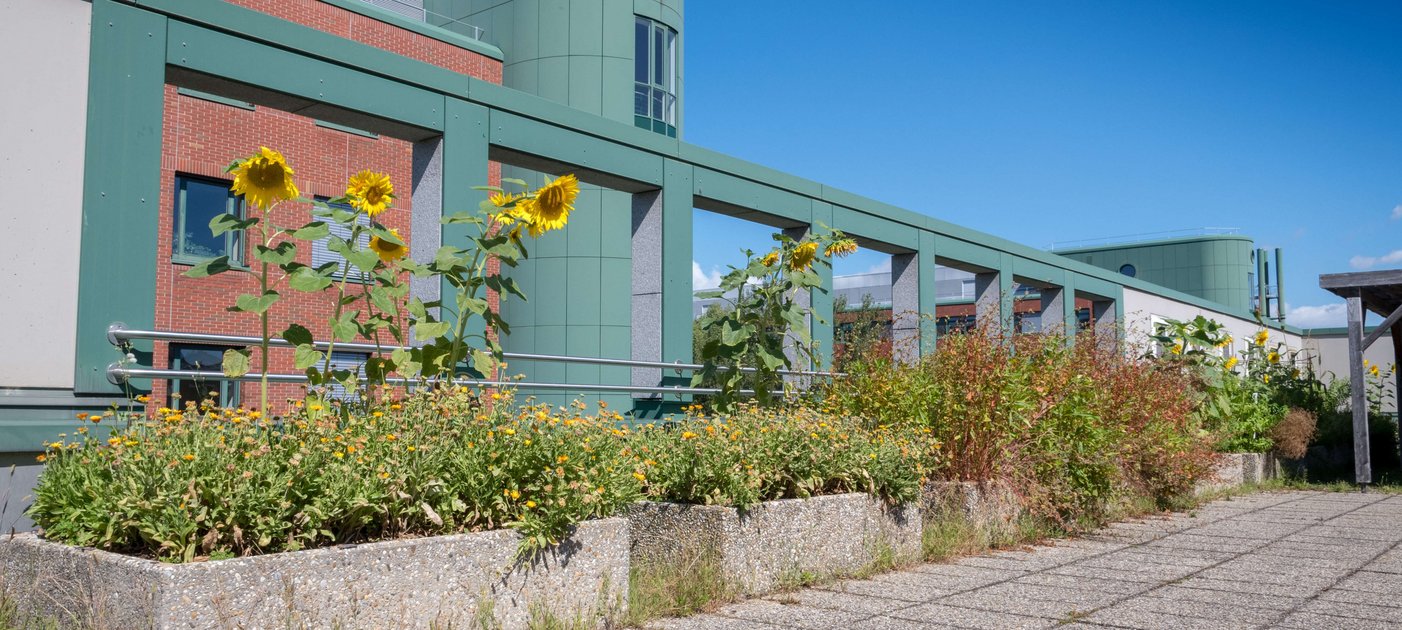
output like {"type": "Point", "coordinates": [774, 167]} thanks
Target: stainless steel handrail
{"type": "Point", "coordinates": [116, 374]}
{"type": "Point", "coordinates": [117, 333]}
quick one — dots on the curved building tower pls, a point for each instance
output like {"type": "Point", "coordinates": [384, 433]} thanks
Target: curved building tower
{"type": "Point", "coordinates": [619, 59]}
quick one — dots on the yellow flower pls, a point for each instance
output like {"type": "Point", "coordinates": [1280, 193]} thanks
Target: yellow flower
{"type": "Point", "coordinates": [188, 457]}
{"type": "Point", "coordinates": [1273, 357]}
{"type": "Point", "coordinates": [388, 251]}
{"type": "Point", "coordinates": [530, 503]}
{"type": "Point", "coordinates": [390, 438]}
{"type": "Point", "coordinates": [40, 458]}
{"type": "Point", "coordinates": [1231, 363]}
{"type": "Point", "coordinates": [550, 210]}
{"type": "Point", "coordinates": [384, 475]}
{"type": "Point", "coordinates": [370, 192]}
{"type": "Point", "coordinates": [264, 178]}
{"type": "Point", "coordinates": [1261, 337]}
{"type": "Point", "coordinates": [1374, 370]}
{"type": "Point", "coordinates": [841, 248]}
{"type": "Point", "coordinates": [687, 435]}
{"type": "Point", "coordinates": [770, 259]}
{"type": "Point", "coordinates": [515, 494]}
{"type": "Point", "coordinates": [562, 459]}
{"type": "Point", "coordinates": [1176, 349]}
{"type": "Point", "coordinates": [639, 476]}
{"type": "Point", "coordinates": [802, 257]}
{"type": "Point", "coordinates": [1265, 378]}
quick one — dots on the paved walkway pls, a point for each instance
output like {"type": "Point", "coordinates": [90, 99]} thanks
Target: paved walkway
{"type": "Point", "coordinates": [1275, 560]}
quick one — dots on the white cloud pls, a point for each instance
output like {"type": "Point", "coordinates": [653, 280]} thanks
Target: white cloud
{"type": "Point", "coordinates": [701, 280]}
{"type": "Point", "coordinates": [1397, 212]}
{"type": "Point", "coordinates": [882, 267]}
{"type": "Point", "coordinates": [1322, 316]}
{"type": "Point", "coordinates": [1368, 262]}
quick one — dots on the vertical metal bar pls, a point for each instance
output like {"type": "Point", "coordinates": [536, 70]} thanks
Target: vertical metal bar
{"type": "Point", "coordinates": [1397, 381]}
{"type": "Point", "coordinates": [1279, 287]}
{"type": "Point", "coordinates": [1362, 466]}
{"type": "Point", "coordinates": [1261, 300]}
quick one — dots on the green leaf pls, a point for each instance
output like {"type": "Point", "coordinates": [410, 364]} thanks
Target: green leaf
{"type": "Point", "coordinates": [222, 223]}
{"type": "Point", "coordinates": [235, 362]}
{"type": "Point", "coordinates": [345, 328]}
{"type": "Point", "coordinates": [709, 295]}
{"type": "Point", "coordinates": [255, 304]}
{"type": "Point", "coordinates": [209, 267]}
{"type": "Point", "coordinates": [483, 362]}
{"type": "Point", "coordinates": [314, 231]}
{"type": "Point", "coordinates": [431, 330]}
{"type": "Point", "coordinates": [406, 362]}
{"type": "Point", "coordinates": [307, 356]}
{"type": "Point", "coordinates": [512, 180]}
{"type": "Point", "coordinates": [297, 334]}
{"type": "Point", "coordinates": [308, 280]}
{"type": "Point", "coordinates": [363, 259]}
{"type": "Point", "coordinates": [476, 306]}
{"type": "Point", "coordinates": [417, 309]}
{"type": "Point", "coordinates": [385, 235]}
{"type": "Point", "coordinates": [285, 252]}
{"type": "Point", "coordinates": [382, 300]}
{"type": "Point", "coordinates": [733, 335]}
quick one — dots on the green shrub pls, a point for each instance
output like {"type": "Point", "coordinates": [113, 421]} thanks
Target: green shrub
{"type": "Point", "coordinates": [757, 454]}
{"type": "Point", "coordinates": [200, 482]}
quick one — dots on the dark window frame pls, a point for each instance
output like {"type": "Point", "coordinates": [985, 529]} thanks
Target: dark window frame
{"type": "Point", "coordinates": [233, 241]}
{"type": "Point", "coordinates": [228, 390]}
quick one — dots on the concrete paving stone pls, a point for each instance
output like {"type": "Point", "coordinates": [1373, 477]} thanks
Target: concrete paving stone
{"type": "Point", "coordinates": [991, 575]}
{"type": "Point", "coordinates": [1152, 603]}
{"type": "Point", "coordinates": [1090, 545]}
{"type": "Point", "coordinates": [1315, 621]}
{"type": "Point", "coordinates": [972, 618]}
{"type": "Point", "coordinates": [1253, 564]}
{"type": "Point", "coordinates": [1351, 533]}
{"type": "Point", "coordinates": [1373, 582]}
{"type": "Point", "coordinates": [1303, 551]}
{"type": "Point", "coordinates": [834, 600]}
{"type": "Point", "coordinates": [882, 622]}
{"type": "Point", "coordinates": [1147, 620]}
{"type": "Point", "coordinates": [904, 591]}
{"type": "Point", "coordinates": [1013, 591]}
{"type": "Point", "coordinates": [1158, 572]}
{"type": "Point", "coordinates": [1133, 560]}
{"type": "Point", "coordinates": [1115, 587]}
{"type": "Point", "coordinates": [1051, 609]}
{"type": "Point", "coordinates": [1229, 598]}
{"type": "Point", "coordinates": [709, 622]}
{"type": "Point", "coordinates": [953, 583]}
{"type": "Point", "coordinates": [1260, 576]}
{"type": "Point", "coordinates": [1203, 543]}
{"type": "Point", "coordinates": [1353, 610]}
{"type": "Point", "coordinates": [1159, 554]}
{"type": "Point", "coordinates": [1238, 586]}
{"type": "Point", "coordinates": [792, 615]}
{"type": "Point", "coordinates": [1248, 529]}
{"type": "Point", "coordinates": [1362, 597]}
{"type": "Point", "coordinates": [1011, 564]}
{"type": "Point", "coordinates": [1376, 546]}
{"type": "Point", "coordinates": [1106, 574]}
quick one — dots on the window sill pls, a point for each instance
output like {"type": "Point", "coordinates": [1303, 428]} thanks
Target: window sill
{"type": "Point", "coordinates": [190, 261]}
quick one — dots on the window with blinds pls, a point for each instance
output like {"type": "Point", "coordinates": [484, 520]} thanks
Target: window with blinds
{"type": "Point", "coordinates": [350, 361]}
{"type": "Point", "coordinates": [322, 254]}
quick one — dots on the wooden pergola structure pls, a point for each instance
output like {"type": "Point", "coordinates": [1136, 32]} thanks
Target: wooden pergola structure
{"type": "Point", "coordinates": [1379, 292]}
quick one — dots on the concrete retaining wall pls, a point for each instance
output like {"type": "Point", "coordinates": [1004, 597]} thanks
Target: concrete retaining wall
{"type": "Point", "coordinates": [442, 581]}
{"type": "Point", "coordinates": [987, 504]}
{"type": "Point", "coordinates": [774, 543]}
{"type": "Point", "coordinates": [1235, 469]}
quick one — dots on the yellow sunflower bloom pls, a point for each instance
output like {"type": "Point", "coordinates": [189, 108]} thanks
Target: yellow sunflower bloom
{"type": "Point", "coordinates": [770, 259]}
{"type": "Point", "coordinates": [1261, 337]}
{"type": "Point", "coordinates": [1273, 357]}
{"type": "Point", "coordinates": [370, 192]}
{"type": "Point", "coordinates": [841, 248]}
{"type": "Point", "coordinates": [550, 210]}
{"type": "Point", "coordinates": [1231, 363]}
{"type": "Point", "coordinates": [388, 252]}
{"type": "Point", "coordinates": [1176, 349]}
{"type": "Point", "coordinates": [1374, 370]}
{"type": "Point", "coordinates": [802, 257]}
{"type": "Point", "coordinates": [264, 179]}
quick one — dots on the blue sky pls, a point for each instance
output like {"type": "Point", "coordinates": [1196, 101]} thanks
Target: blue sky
{"type": "Point", "coordinates": [1056, 121]}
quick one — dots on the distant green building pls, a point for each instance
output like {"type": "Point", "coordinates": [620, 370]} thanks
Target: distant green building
{"type": "Point", "coordinates": [1225, 268]}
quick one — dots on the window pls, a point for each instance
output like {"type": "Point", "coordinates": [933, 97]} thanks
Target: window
{"type": "Point", "coordinates": [322, 254]}
{"type": "Point", "coordinates": [1128, 270]}
{"type": "Point", "coordinates": [200, 359]}
{"type": "Point", "coordinates": [954, 324]}
{"type": "Point", "coordinates": [350, 361]}
{"type": "Point", "coordinates": [197, 202]}
{"type": "Point", "coordinates": [654, 76]}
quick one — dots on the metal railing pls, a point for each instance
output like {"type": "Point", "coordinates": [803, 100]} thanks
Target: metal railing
{"type": "Point", "coordinates": [121, 336]}
{"type": "Point", "coordinates": [418, 12]}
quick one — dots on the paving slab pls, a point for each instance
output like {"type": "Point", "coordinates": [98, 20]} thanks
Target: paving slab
{"type": "Point", "coordinates": [1290, 560]}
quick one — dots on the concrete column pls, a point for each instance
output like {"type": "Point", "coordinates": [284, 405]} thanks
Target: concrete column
{"type": "Point", "coordinates": [805, 300]}
{"type": "Point", "coordinates": [1362, 464]}
{"type": "Point", "coordinates": [1053, 310]}
{"type": "Point", "coordinates": [1105, 314]}
{"type": "Point", "coordinates": [905, 307]}
{"type": "Point", "coordinates": [647, 288]}
{"type": "Point", "coordinates": [428, 209]}
{"type": "Point", "coordinates": [988, 298]}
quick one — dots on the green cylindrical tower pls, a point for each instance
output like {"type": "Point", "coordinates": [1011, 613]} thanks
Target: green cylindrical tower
{"type": "Point", "coordinates": [618, 59]}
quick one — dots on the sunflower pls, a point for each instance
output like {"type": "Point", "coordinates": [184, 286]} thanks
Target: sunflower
{"type": "Point", "coordinates": [841, 248]}
{"type": "Point", "coordinates": [1231, 363]}
{"type": "Point", "coordinates": [1273, 357]}
{"type": "Point", "coordinates": [370, 192]}
{"type": "Point", "coordinates": [388, 251]}
{"type": "Point", "coordinates": [1261, 337]}
{"type": "Point", "coordinates": [550, 210]}
{"type": "Point", "coordinates": [770, 259]}
{"type": "Point", "coordinates": [264, 178]}
{"type": "Point", "coordinates": [802, 257]}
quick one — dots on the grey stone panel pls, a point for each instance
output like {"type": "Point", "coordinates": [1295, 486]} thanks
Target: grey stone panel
{"type": "Point", "coordinates": [414, 583]}
{"type": "Point", "coordinates": [425, 225]}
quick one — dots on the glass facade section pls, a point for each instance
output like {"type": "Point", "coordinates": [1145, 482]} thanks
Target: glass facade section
{"type": "Point", "coordinates": [654, 74]}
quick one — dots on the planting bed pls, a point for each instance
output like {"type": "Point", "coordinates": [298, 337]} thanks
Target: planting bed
{"type": "Point", "coordinates": [441, 581]}
{"type": "Point", "coordinates": [777, 542]}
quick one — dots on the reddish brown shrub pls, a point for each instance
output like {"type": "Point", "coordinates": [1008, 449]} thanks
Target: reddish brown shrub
{"type": "Point", "coordinates": [1293, 434]}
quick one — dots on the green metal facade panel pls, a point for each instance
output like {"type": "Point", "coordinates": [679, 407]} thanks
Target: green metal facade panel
{"type": "Point", "coordinates": [428, 29]}
{"type": "Point", "coordinates": [677, 206]}
{"type": "Point", "coordinates": [117, 268]}
{"type": "Point", "coordinates": [1213, 268]}
{"type": "Point", "coordinates": [821, 327]}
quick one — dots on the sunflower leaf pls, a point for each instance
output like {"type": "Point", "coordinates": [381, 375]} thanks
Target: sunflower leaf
{"type": "Point", "coordinates": [285, 252]}
{"type": "Point", "coordinates": [431, 330]}
{"type": "Point", "coordinates": [235, 363]}
{"type": "Point", "coordinates": [297, 334]}
{"type": "Point", "coordinates": [386, 235]}
{"type": "Point", "coordinates": [255, 304]}
{"type": "Point", "coordinates": [224, 222]}
{"type": "Point", "coordinates": [345, 328]}
{"type": "Point", "coordinates": [208, 268]}
{"type": "Point", "coordinates": [307, 356]}
{"type": "Point", "coordinates": [316, 230]}
{"type": "Point", "coordinates": [305, 279]}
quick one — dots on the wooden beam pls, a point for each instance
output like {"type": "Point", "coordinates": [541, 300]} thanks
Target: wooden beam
{"type": "Point", "coordinates": [1383, 328]}
{"type": "Point", "coordinates": [1362, 466]}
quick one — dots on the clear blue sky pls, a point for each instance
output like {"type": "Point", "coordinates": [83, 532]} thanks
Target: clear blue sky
{"type": "Point", "coordinates": [1057, 121]}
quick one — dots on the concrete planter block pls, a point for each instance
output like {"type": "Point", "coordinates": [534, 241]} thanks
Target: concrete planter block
{"type": "Point", "coordinates": [441, 581]}
{"type": "Point", "coordinates": [987, 504]}
{"type": "Point", "coordinates": [771, 544]}
{"type": "Point", "coordinates": [1235, 469]}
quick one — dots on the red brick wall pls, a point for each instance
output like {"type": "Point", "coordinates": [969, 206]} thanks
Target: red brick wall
{"type": "Point", "coordinates": [366, 30]}
{"type": "Point", "coordinates": [201, 138]}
